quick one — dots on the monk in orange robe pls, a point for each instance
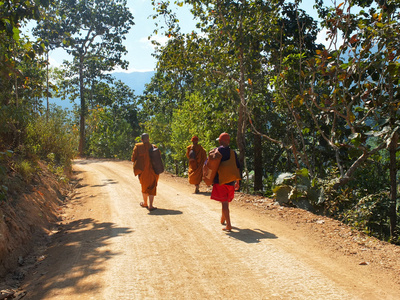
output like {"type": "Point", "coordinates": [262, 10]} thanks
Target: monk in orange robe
{"type": "Point", "coordinates": [143, 168]}
{"type": "Point", "coordinates": [197, 156]}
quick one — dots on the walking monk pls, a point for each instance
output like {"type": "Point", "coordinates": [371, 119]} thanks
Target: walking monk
{"type": "Point", "coordinates": [197, 156]}
{"type": "Point", "coordinates": [227, 179]}
{"type": "Point", "coordinates": [144, 169]}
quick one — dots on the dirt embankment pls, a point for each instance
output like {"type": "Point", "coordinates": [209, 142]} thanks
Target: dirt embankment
{"type": "Point", "coordinates": [28, 217]}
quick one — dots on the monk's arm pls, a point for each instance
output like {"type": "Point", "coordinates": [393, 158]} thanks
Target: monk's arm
{"type": "Point", "coordinates": [188, 151]}
{"type": "Point", "coordinates": [134, 154]}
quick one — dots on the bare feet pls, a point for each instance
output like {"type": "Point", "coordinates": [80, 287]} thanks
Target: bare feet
{"type": "Point", "coordinates": [227, 229]}
{"type": "Point", "coordinates": [143, 205]}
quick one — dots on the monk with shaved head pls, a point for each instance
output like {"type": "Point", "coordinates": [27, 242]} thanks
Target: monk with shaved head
{"type": "Point", "coordinates": [143, 168]}
{"type": "Point", "coordinates": [197, 156]}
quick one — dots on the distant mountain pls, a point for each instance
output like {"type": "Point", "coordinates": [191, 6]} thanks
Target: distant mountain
{"type": "Point", "coordinates": [135, 80]}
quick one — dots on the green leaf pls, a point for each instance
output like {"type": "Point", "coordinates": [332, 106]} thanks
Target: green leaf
{"type": "Point", "coordinates": [15, 34]}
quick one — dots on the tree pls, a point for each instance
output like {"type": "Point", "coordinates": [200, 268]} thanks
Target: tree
{"type": "Point", "coordinates": [193, 117]}
{"type": "Point", "coordinates": [225, 53]}
{"type": "Point", "coordinates": [272, 115]}
{"type": "Point", "coordinates": [361, 102]}
{"type": "Point", "coordinates": [88, 30]}
{"type": "Point", "coordinates": [20, 71]}
{"type": "Point", "coordinates": [238, 51]}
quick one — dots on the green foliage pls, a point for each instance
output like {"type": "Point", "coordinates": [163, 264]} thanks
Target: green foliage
{"type": "Point", "coordinates": [296, 189]}
{"type": "Point", "coordinates": [25, 169]}
{"type": "Point", "coordinates": [22, 78]}
{"type": "Point", "coordinates": [56, 168]}
{"type": "Point", "coordinates": [332, 201]}
{"type": "Point", "coordinates": [93, 33]}
{"type": "Point", "coordinates": [362, 76]}
{"type": "Point", "coordinates": [268, 183]}
{"type": "Point", "coordinates": [51, 138]}
{"type": "Point", "coordinates": [109, 135]}
{"type": "Point", "coordinates": [112, 122]}
{"type": "Point", "coordinates": [188, 120]}
{"type": "Point", "coordinates": [194, 115]}
{"type": "Point", "coordinates": [54, 134]}
{"type": "Point", "coordinates": [370, 214]}
{"type": "Point", "coordinates": [363, 203]}
{"type": "Point", "coordinates": [4, 158]}
{"type": "Point", "coordinates": [159, 129]}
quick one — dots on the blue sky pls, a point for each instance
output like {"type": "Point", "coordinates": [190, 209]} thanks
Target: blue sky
{"type": "Point", "coordinates": [137, 43]}
{"type": "Point", "coordinates": [140, 48]}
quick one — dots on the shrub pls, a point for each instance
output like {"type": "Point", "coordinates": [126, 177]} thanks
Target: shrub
{"type": "Point", "coordinates": [25, 169]}
{"type": "Point", "coordinates": [55, 135]}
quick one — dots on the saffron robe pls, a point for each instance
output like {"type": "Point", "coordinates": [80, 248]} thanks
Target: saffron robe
{"type": "Point", "coordinates": [228, 170]}
{"type": "Point", "coordinates": [143, 168]}
{"type": "Point", "coordinates": [196, 165]}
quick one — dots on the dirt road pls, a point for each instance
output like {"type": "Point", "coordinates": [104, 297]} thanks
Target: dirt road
{"type": "Point", "coordinates": [111, 248]}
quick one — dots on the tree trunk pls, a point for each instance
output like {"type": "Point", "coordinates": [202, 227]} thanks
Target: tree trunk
{"type": "Point", "coordinates": [258, 164]}
{"type": "Point", "coordinates": [242, 114]}
{"type": "Point", "coordinates": [47, 86]}
{"type": "Point", "coordinates": [393, 165]}
{"type": "Point", "coordinates": [393, 185]}
{"type": "Point", "coordinates": [240, 138]}
{"type": "Point", "coordinates": [83, 110]}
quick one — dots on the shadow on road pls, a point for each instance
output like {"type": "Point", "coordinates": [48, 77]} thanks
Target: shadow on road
{"type": "Point", "coordinates": [91, 160]}
{"type": "Point", "coordinates": [203, 193]}
{"type": "Point", "coordinates": [164, 212]}
{"type": "Point", "coordinates": [251, 235]}
{"type": "Point", "coordinates": [78, 251]}
{"type": "Point", "coordinates": [106, 182]}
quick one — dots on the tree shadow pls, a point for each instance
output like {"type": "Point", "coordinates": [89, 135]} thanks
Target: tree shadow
{"type": "Point", "coordinates": [106, 182]}
{"type": "Point", "coordinates": [76, 253]}
{"type": "Point", "coordinates": [250, 236]}
{"type": "Point", "coordinates": [203, 193]}
{"type": "Point", "coordinates": [76, 172]}
{"type": "Point", "coordinates": [164, 212]}
{"type": "Point", "coordinates": [91, 160]}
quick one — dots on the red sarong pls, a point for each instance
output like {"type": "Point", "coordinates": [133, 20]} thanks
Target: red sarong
{"type": "Point", "coordinates": [223, 192]}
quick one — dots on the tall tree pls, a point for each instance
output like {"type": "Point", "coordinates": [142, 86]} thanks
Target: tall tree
{"type": "Point", "coordinates": [239, 50]}
{"type": "Point", "coordinates": [361, 102]}
{"type": "Point", "coordinates": [88, 30]}
{"type": "Point", "coordinates": [20, 71]}
{"type": "Point", "coordinates": [226, 51]}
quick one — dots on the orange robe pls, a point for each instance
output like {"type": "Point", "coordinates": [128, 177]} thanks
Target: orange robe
{"type": "Point", "coordinates": [143, 168]}
{"type": "Point", "coordinates": [196, 166]}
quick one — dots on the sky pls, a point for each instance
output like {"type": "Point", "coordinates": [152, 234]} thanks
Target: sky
{"type": "Point", "coordinates": [137, 43]}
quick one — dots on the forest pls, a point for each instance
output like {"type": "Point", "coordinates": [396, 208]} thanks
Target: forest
{"type": "Point", "coordinates": [316, 126]}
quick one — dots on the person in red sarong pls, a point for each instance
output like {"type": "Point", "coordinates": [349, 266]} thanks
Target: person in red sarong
{"type": "Point", "coordinates": [227, 179]}
{"type": "Point", "coordinates": [197, 156]}
{"type": "Point", "coordinates": [143, 168]}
